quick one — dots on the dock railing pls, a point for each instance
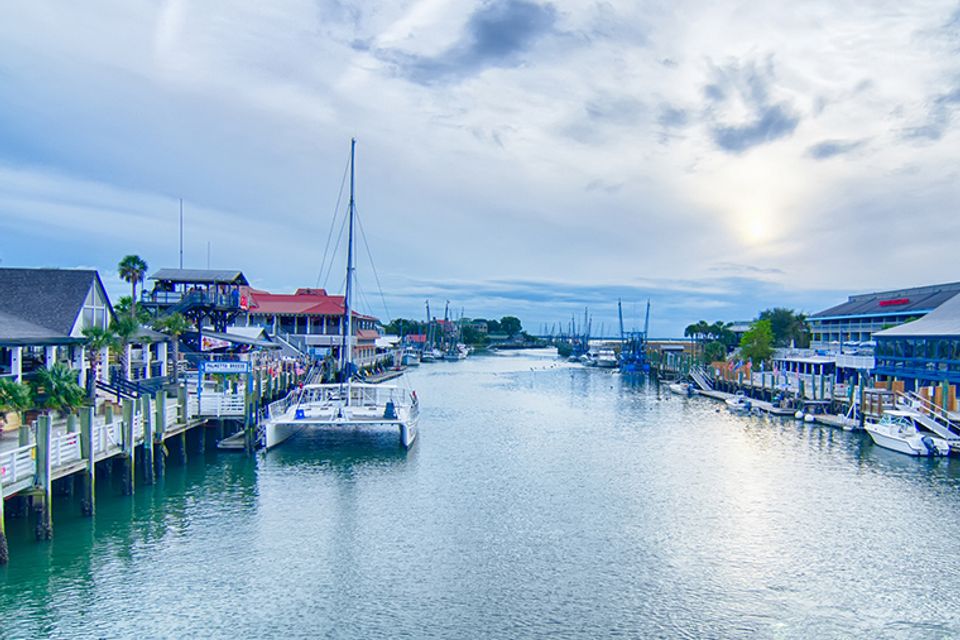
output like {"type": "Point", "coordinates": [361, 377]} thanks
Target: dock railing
{"type": "Point", "coordinates": [216, 404]}
{"type": "Point", "coordinates": [18, 466]}
{"type": "Point", "coordinates": [65, 449]}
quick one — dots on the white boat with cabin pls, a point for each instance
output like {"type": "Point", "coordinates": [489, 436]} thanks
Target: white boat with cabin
{"type": "Point", "coordinates": [358, 406]}
{"type": "Point", "coordinates": [607, 359]}
{"type": "Point", "coordinates": [680, 388]}
{"type": "Point", "coordinates": [345, 404]}
{"type": "Point", "coordinates": [899, 431]}
{"type": "Point", "coordinates": [739, 403]}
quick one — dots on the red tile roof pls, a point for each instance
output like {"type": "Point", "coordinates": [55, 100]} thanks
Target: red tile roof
{"type": "Point", "coordinates": [305, 302]}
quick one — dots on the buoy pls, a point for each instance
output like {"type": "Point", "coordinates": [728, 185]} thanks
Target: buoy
{"type": "Point", "coordinates": [798, 415]}
{"type": "Point", "coordinates": [808, 418]}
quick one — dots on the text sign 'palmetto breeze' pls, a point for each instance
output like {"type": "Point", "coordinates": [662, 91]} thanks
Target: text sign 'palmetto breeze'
{"type": "Point", "coordinates": [228, 366]}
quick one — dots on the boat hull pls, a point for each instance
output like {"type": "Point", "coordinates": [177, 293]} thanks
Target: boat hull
{"type": "Point", "coordinates": [277, 433]}
{"type": "Point", "coordinates": [911, 445]}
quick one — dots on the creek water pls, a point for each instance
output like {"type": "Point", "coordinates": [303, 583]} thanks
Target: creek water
{"type": "Point", "coordinates": [542, 499]}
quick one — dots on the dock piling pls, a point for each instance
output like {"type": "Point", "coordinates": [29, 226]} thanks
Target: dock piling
{"type": "Point", "coordinates": [148, 425]}
{"type": "Point", "coordinates": [4, 550]}
{"type": "Point", "coordinates": [87, 476]}
{"type": "Point", "coordinates": [44, 530]}
{"type": "Point", "coordinates": [129, 447]}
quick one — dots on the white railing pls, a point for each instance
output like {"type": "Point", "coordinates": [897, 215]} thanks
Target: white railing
{"type": "Point", "coordinates": [137, 427]}
{"type": "Point", "coordinates": [106, 436]}
{"type": "Point", "coordinates": [216, 404]}
{"type": "Point", "coordinates": [64, 449]}
{"type": "Point", "coordinates": [927, 406]}
{"type": "Point", "coordinates": [279, 407]}
{"type": "Point", "coordinates": [856, 362]}
{"type": "Point", "coordinates": [18, 464]}
{"type": "Point", "coordinates": [171, 414]}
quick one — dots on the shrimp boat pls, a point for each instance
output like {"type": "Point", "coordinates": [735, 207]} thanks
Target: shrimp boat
{"type": "Point", "coordinates": [345, 404]}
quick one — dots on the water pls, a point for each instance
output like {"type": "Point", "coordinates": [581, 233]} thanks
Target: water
{"type": "Point", "coordinates": [542, 500]}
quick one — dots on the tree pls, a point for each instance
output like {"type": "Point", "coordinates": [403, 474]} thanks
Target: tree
{"type": "Point", "coordinates": [174, 325]}
{"type": "Point", "coordinates": [133, 269]}
{"type": "Point", "coordinates": [757, 343]}
{"type": "Point", "coordinates": [510, 325]}
{"type": "Point", "coordinates": [14, 396]}
{"type": "Point", "coordinates": [788, 326]}
{"type": "Point", "coordinates": [493, 326]}
{"type": "Point", "coordinates": [124, 328]}
{"type": "Point", "coordinates": [714, 351]}
{"type": "Point", "coordinates": [124, 307]}
{"type": "Point", "coordinates": [98, 339]}
{"type": "Point", "coordinates": [56, 389]}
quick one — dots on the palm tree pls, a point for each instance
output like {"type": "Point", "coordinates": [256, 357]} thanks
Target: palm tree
{"type": "Point", "coordinates": [56, 389]}
{"type": "Point", "coordinates": [132, 269]}
{"type": "Point", "coordinates": [124, 328]}
{"type": "Point", "coordinates": [98, 339]}
{"type": "Point", "coordinates": [14, 396]}
{"type": "Point", "coordinates": [174, 325]}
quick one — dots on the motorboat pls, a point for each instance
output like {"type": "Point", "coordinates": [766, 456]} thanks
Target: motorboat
{"type": "Point", "coordinates": [680, 388]}
{"type": "Point", "coordinates": [606, 359]}
{"type": "Point", "coordinates": [739, 403]}
{"type": "Point", "coordinates": [410, 358]}
{"type": "Point", "coordinates": [899, 431]}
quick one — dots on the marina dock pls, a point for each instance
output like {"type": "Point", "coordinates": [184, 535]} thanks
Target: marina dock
{"type": "Point", "coordinates": [763, 405]}
{"type": "Point", "coordinates": [133, 437]}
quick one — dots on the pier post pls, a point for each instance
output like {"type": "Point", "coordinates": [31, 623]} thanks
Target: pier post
{"type": "Point", "coordinates": [129, 447]}
{"type": "Point", "coordinates": [87, 476]}
{"type": "Point", "coordinates": [862, 394]}
{"type": "Point", "coordinates": [4, 550]}
{"type": "Point", "coordinates": [183, 410]}
{"type": "Point", "coordinates": [45, 520]}
{"type": "Point", "coordinates": [148, 422]}
{"type": "Point", "coordinates": [159, 455]}
{"type": "Point", "coordinates": [182, 440]}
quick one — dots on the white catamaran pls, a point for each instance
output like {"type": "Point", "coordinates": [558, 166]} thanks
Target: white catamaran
{"type": "Point", "coordinates": [346, 404]}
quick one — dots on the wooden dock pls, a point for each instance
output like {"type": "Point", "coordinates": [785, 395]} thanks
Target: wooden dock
{"type": "Point", "coordinates": [763, 405]}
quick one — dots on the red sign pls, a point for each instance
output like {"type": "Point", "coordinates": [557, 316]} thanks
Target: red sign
{"type": "Point", "coordinates": [894, 302]}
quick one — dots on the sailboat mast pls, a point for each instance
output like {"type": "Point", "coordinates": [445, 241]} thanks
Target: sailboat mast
{"type": "Point", "coordinates": [346, 350]}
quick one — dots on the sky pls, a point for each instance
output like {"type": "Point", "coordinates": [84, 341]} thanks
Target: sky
{"type": "Point", "coordinates": [514, 156]}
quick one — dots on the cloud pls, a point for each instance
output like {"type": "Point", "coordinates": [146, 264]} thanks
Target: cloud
{"type": "Point", "coordinates": [939, 117]}
{"type": "Point", "coordinates": [744, 268]}
{"type": "Point", "coordinates": [672, 117]}
{"type": "Point", "coordinates": [830, 148]}
{"type": "Point", "coordinates": [494, 36]}
{"type": "Point", "coordinates": [738, 88]}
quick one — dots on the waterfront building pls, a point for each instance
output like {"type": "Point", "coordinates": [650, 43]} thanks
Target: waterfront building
{"type": "Point", "coordinates": [207, 297]}
{"type": "Point", "coordinates": [852, 324]}
{"type": "Point", "coordinates": [312, 320]}
{"type": "Point", "coordinates": [43, 313]}
{"type": "Point", "coordinates": [924, 353]}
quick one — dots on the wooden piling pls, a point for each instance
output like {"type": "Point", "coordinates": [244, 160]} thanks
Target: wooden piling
{"type": "Point", "coordinates": [44, 528]}
{"type": "Point", "coordinates": [159, 453]}
{"type": "Point", "coordinates": [88, 475]}
{"type": "Point", "coordinates": [4, 549]}
{"type": "Point", "coordinates": [128, 458]}
{"type": "Point", "coordinates": [149, 420]}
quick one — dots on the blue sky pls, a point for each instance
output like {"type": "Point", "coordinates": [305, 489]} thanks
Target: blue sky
{"type": "Point", "coordinates": [514, 156]}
